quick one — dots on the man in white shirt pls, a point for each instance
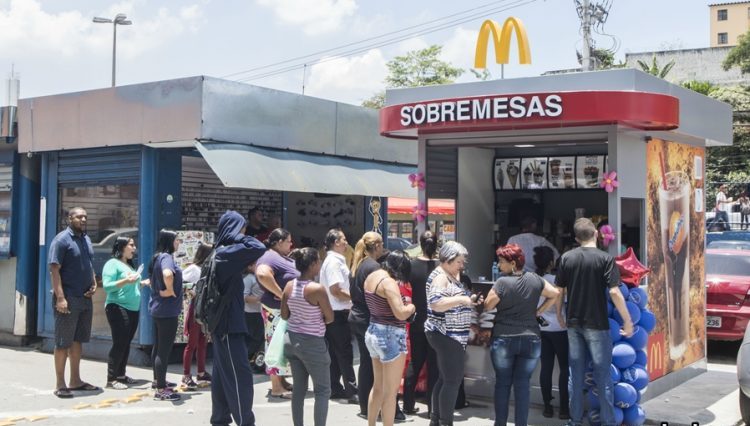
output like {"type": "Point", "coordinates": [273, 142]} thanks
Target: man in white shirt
{"type": "Point", "coordinates": [527, 240]}
{"type": "Point", "coordinates": [334, 275]}
{"type": "Point", "coordinates": [723, 206]}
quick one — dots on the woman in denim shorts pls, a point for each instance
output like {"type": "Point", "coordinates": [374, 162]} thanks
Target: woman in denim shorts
{"type": "Point", "coordinates": [386, 335]}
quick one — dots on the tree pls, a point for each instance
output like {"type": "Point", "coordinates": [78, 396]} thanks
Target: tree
{"type": "Point", "coordinates": [739, 56]}
{"type": "Point", "coordinates": [730, 163]}
{"type": "Point", "coordinates": [702, 87]}
{"type": "Point", "coordinates": [416, 68]}
{"type": "Point", "coordinates": [603, 58]}
{"type": "Point", "coordinates": [654, 68]}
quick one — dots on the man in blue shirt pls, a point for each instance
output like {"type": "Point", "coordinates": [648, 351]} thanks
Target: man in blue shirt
{"type": "Point", "coordinates": [73, 284]}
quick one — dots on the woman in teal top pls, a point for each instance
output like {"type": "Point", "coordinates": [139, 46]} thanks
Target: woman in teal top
{"type": "Point", "coordinates": [122, 284]}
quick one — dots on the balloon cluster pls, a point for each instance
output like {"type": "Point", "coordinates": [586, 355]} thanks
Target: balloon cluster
{"type": "Point", "coordinates": [629, 360]}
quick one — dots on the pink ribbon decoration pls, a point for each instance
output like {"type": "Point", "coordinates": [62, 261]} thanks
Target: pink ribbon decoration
{"type": "Point", "coordinates": [609, 181]}
{"type": "Point", "coordinates": [420, 213]}
{"type": "Point", "coordinates": [417, 180]}
{"type": "Point", "coordinates": [607, 235]}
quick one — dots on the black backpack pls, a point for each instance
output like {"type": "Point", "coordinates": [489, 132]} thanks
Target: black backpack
{"type": "Point", "coordinates": [210, 304]}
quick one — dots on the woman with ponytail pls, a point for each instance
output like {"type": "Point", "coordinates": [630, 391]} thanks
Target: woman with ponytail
{"type": "Point", "coordinates": [366, 253]}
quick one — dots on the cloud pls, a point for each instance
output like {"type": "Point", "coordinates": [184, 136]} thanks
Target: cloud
{"type": "Point", "coordinates": [27, 30]}
{"type": "Point", "coordinates": [315, 16]}
{"type": "Point", "coordinates": [348, 79]}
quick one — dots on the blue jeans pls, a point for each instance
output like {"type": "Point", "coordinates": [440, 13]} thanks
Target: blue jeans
{"type": "Point", "coordinates": [599, 345]}
{"type": "Point", "coordinates": [514, 359]}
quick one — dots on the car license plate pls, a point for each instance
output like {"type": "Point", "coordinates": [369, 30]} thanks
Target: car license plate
{"type": "Point", "coordinates": [713, 322]}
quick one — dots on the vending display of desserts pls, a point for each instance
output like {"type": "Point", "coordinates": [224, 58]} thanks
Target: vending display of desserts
{"type": "Point", "coordinates": [566, 172]}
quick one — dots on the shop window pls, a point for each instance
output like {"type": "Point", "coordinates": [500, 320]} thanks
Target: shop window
{"type": "Point", "coordinates": [112, 212]}
{"type": "Point", "coordinates": [723, 38]}
{"type": "Point", "coordinates": [722, 14]}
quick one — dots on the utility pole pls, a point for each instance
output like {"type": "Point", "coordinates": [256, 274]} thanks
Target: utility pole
{"type": "Point", "coordinates": [586, 62]}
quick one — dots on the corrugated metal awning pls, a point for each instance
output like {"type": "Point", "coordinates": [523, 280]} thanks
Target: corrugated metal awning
{"type": "Point", "coordinates": [243, 166]}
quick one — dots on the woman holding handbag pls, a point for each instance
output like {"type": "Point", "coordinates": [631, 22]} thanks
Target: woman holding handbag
{"type": "Point", "coordinates": [307, 310]}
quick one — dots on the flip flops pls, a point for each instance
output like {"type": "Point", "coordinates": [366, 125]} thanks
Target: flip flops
{"type": "Point", "coordinates": [85, 387]}
{"type": "Point", "coordinates": [282, 396]}
{"type": "Point", "coordinates": [63, 393]}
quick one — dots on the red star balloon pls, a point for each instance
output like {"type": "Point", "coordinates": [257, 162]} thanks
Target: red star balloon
{"type": "Point", "coordinates": [632, 271]}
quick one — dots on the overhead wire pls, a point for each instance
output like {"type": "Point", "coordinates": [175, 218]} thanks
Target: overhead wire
{"type": "Point", "coordinates": [361, 49]}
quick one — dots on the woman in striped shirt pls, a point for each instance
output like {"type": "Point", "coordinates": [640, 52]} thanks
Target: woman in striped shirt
{"type": "Point", "coordinates": [305, 307]}
{"type": "Point", "coordinates": [449, 311]}
{"type": "Point", "coordinates": [386, 336]}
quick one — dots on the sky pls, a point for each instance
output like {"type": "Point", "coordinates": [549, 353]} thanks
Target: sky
{"type": "Point", "coordinates": [55, 48]}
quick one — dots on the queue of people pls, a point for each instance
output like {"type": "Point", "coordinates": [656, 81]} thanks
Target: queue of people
{"type": "Point", "coordinates": [326, 302]}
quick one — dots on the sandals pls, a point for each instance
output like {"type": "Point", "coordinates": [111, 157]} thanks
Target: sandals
{"type": "Point", "coordinates": [85, 387]}
{"type": "Point", "coordinates": [282, 396]}
{"type": "Point", "coordinates": [63, 393]}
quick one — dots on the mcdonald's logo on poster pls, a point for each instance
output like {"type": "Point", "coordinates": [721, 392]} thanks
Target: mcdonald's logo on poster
{"type": "Point", "coordinates": [657, 351]}
{"type": "Point", "coordinates": [501, 41]}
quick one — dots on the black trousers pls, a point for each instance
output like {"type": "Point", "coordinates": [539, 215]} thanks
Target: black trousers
{"type": "Point", "coordinates": [165, 330]}
{"type": "Point", "coordinates": [122, 323]}
{"type": "Point", "coordinates": [339, 336]}
{"type": "Point", "coordinates": [450, 363]}
{"type": "Point", "coordinates": [554, 344]}
{"type": "Point", "coordinates": [256, 337]}
{"type": "Point", "coordinates": [421, 351]}
{"type": "Point", "coordinates": [365, 376]}
{"type": "Point", "coordinates": [231, 381]}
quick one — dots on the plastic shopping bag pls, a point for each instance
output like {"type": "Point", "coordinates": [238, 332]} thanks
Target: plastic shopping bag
{"type": "Point", "coordinates": [275, 354]}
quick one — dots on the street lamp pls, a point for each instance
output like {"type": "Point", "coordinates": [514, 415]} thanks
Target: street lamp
{"type": "Point", "coordinates": [120, 19]}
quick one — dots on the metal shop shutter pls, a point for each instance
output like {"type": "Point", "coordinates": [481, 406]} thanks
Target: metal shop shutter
{"type": "Point", "coordinates": [6, 178]}
{"type": "Point", "coordinates": [99, 165]}
{"type": "Point", "coordinates": [442, 172]}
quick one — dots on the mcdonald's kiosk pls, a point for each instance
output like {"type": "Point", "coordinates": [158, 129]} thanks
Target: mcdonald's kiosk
{"type": "Point", "coordinates": [547, 147]}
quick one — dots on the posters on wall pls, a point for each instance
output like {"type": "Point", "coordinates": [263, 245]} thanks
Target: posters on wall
{"type": "Point", "coordinates": [507, 173]}
{"type": "Point", "coordinates": [534, 172]}
{"type": "Point", "coordinates": [676, 229]}
{"type": "Point", "coordinates": [589, 170]}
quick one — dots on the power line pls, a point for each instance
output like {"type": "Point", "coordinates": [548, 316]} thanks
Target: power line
{"type": "Point", "coordinates": [332, 49]}
{"type": "Point", "coordinates": [515, 4]}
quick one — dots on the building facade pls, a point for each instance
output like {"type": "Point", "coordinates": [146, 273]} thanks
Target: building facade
{"type": "Point", "coordinates": [702, 64]}
{"type": "Point", "coordinates": [729, 20]}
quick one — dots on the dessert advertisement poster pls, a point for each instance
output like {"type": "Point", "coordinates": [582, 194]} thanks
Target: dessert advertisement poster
{"type": "Point", "coordinates": [675, 238]}
{"type": "Point", "coordinates": [561, 172]}
{"type": "Point", "coordinates": [589, 170]}
{"type": "Point", "coordinates": [534, 173]}
{"type": "Point", "coordinates": [507, 173]}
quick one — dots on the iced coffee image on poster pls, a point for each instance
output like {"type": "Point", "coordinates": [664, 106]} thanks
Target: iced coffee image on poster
{"type": "Point", "coordinates": [589, 170]}
{"type": "Point", "coordinates": [561, 172]}
{"type": "Point", "coordinates": [534, 173]}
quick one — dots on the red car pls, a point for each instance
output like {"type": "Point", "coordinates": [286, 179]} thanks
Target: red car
{"type": "Point", "coordinates": [727, 293]}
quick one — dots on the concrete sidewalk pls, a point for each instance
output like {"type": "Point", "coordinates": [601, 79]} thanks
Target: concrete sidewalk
{"type": "Point", "coordinates": [29, 378]}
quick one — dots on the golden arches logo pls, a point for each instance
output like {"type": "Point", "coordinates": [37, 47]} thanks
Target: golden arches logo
{"type": "Point", "coordinates": [656, 357]}
{"type": "Point", "coordinates": [501, 41]}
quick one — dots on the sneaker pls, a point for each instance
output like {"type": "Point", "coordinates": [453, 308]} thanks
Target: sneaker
{"type": "Point", "coordinates": [354, 399]}
{"type": "Point", "coordinates": [169, 384]}
{"type": "Point", "coordinates": [564, 415]}
{"type": "Point", "coordinates": [166, 394]}
{"type": "Point", "coordinates": [188, 383]}
{"type": "Point", "coordinates": [204, 377]}
{"type": "Point", "coordinates": [114, 384]}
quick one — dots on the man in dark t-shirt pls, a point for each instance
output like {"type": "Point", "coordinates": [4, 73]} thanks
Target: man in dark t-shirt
{"type": "Point", "coordinates": [587, 273]}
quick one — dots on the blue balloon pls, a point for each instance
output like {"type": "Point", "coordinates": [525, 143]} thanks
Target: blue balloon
{"type": "Point", "coordinates": [624, 290]}
{"type": "Point", "coordinates": [637, 376]}
{"type": "Point", "coordinates": [619, 416]}
{"type": "Point", "coordinates": [623, 355]}
{"type": "Point", "coordinates": [639, 339]}
{"type": "Point", "coordinates": [625, 395]}
{"type": "Point", "coordinates": [647, 321]}
{"type": "Point", "coordinates": [634, 416]}
{"type": "Point", "coordinates": [633, 309]}
{"type": "Point", "coordinates": [610, 309]}
{"type": "Point", "coordinates": [594, 417]}
{"type": "Point", "coordinates": [614, 330]}
{"type": "Point", "coordinates": [639, 297]}
{"type": "Point", "coordinates": [614, 372]}
{"type": "Point", "coordinates": [588, 378]}
{"type": "Point", "coordinates": [640, 356]}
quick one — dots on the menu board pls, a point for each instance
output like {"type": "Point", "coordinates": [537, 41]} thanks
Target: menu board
{"type": "Point", "coordinates": [507, 173]}
{"type": "Point", "coordinates": [534, 173]}
{"type": "Point", "coordinates": [589, 171]}
{"type": "Point", "coordinates": [561, 172]}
